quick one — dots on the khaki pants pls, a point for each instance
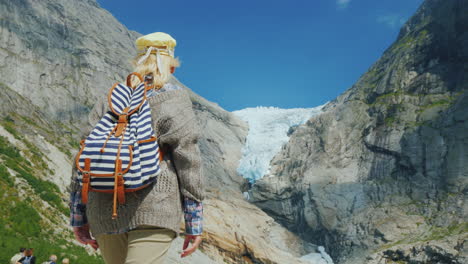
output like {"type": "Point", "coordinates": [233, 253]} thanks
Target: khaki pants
{"type": "Point", "coordinates": [144, 245]}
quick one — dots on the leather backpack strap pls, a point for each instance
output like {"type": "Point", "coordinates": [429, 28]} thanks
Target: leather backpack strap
{"type": "Point", "coordinates": [162, 150]}
{"type": "Point", "coordinates": [129, 78]}
{"type": "Point", "coordinates": [86, 181]}
{"type": "Point", "coordinates": [119, 188]}
{"type": "Point", "coordinates": [129, 111]}
{"type": "Point", "coordinates": [121, 123]}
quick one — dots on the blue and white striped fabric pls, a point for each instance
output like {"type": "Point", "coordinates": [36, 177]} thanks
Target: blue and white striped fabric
{"type": "Point", "coordinates": [139, 150]}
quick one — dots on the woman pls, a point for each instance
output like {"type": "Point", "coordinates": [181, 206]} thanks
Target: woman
{"type": "Point", "coordinates": [28, 257]}
{"type": "Point", "coordinates": [52, 259]}
{"type": "Point", "coordinates": [17, 256]}
{"type": "Point", "coordinates": [150, 218]}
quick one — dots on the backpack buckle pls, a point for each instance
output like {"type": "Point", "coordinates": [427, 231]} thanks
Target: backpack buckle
{"type": "Point", "coordinates": [86, 181]}
{"type": "Point", "coordinates": [123, 118]}
{"type": "Point", "coordinates": [85, 177]}
{"type": "Point", "coordinates": [121, 124]}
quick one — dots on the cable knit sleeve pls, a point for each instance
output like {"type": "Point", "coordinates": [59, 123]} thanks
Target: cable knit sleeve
{"type": "Point", "coordinates": [183, 139]}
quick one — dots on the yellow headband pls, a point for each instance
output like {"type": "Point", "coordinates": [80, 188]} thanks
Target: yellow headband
{"type": "Point", "coordinates": [162, 51]}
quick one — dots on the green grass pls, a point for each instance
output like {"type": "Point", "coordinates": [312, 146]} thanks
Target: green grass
{"type": "Point", "coordinates": [33, 153]}
{"type": "Point", "coordinates": [411, 124]}
{"type": "Point", "coordinates": [373, 77]}
{"type": "Point", "coordinates": [47, 190]}
{"type": "Point", "coordinates": [14, 122]}
{"type": "Point", "coordinates": [393, 104]}
{"type": "Point", "coordinates": [383, 99]}
{"type": "Point", "coordinates": [21, 222]}
{"type": "Point", "coordinates": [74, 143]}
{"type": "Point", "coordinates": [438, 233]}
{"type": "Point", "coordinates": [22, 226]}
{"type": "Point", "coordinates": [389, 120]}
{"type": "Point", "coordinates": [5, 176]}
{"type": "Point", "coordinates": [409, 40]}
{"type": "Point", "coordinates": [9, 124]}
{"type": "Point", "coordinates": [434, 233]}
{"type": "Point", "coordinates": [8, 150]}
{"type": "Point", "coordinates": [32, 123]}
{"type": "Point", "coordinates": [443, 102]}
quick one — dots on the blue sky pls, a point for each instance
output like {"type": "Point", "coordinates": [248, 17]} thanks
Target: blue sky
{"type": "Point", "coordinates": [288, 54]}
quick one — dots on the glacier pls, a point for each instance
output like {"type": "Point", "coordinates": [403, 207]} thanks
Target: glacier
{"type": "Point", "coordinates": [268, 132]}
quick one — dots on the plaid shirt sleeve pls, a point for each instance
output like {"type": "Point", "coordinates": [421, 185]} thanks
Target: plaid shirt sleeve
{"type": "Point", "coordinates": [77, 210]}
{"type": "Point", "coordinates": [193, 215]}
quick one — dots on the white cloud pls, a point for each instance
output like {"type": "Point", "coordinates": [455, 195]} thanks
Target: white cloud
{"type": "Point", "coordinates": [342, 4]}
{"type": "Point", "coordinates": [391, 20]}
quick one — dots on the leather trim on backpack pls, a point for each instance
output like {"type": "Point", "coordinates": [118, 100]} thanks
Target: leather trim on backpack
{"type": "Point", "coordinates": [161, 152]}
{"type": "Point", "coordinates": [82, 170]}
{"type": "Point", "coordinates": [86, 181]}
{"type": "Point", "coordinates": [126, 189]}
{"type": "Point", "coordinates": [151, 139]}
{"type": "Point", "coordinates": [129, 78]}
{"type": "Point", "coordinates": [109, 95]}
{"type": "Point", "coordinates": [118, 131]}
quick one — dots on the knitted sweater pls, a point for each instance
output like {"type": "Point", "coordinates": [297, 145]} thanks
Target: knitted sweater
{"type": "Point", "coordinates": [160, 204]}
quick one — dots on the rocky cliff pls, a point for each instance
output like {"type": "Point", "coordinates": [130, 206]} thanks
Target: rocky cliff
{"type": "Point", "coordinates": [381, 176]}
{"type": "Point", "coordinates": [61, 54]}
{"type": "Point", "coordinates": [56, 57]}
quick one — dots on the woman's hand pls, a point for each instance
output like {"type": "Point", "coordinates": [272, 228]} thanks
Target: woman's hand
{"type": "Point", "coordinates": [83, 236]}
{"type": "Point", "coordinates": [195, 244]}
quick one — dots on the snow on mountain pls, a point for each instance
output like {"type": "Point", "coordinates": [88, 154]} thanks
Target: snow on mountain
{"type": "Point", "coordinates": [318, 258]}
{"type": "Point", "coordinates": [268, 132]}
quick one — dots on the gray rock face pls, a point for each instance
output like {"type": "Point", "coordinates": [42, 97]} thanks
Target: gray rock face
{"type": "Point", "coordinates": [56, 57]}
{"type": "Point", "coordinates": [385, 168]}
{"type": "Point", "coordinates": [223, 135]}
{"type": "Point", "coordinates": [62, 53]}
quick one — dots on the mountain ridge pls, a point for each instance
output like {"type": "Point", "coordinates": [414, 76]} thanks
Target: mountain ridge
{"type": "Point", "coordinates": [56, 57]}
{"type": "Point", "coordinates": [382, 172]}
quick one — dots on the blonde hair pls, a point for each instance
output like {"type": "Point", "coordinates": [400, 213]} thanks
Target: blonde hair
{"type": "Point", "coordinates": [150, 67]}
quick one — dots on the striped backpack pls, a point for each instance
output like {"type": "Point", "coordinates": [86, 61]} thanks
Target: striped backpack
{"type": "Point", "coordinates": [121, 153]}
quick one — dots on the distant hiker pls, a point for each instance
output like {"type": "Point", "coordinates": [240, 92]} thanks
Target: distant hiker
{"type": "Point", "coordinates": [17, 256]}
{"type": "Point", "coordinates": [139, 227]}
{"type": "Point", "coordinates": [52, 259]}
{"type": "Point", "coordinates": [65, 261]}
{"type": "Point", "coordinates": [28, 257]}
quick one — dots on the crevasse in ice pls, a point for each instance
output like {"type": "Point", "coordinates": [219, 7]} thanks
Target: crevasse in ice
{"type": "Point", "coordinates": [268, 132]}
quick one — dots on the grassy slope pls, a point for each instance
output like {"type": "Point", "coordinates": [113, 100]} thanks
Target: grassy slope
{"type": "Point", "coordinates": [33, 211]}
